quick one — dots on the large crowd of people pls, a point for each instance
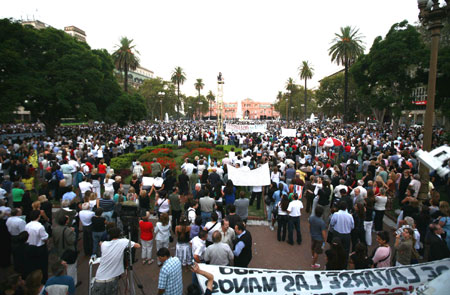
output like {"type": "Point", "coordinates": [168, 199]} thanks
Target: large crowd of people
{"type": "Point", "coordinates": [58, 190]}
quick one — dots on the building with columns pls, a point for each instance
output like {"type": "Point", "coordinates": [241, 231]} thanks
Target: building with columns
{"type": "Point", "coordinates": [251, 109]}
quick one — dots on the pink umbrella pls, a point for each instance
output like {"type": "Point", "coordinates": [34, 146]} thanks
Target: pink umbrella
{"type": "Point", "coordinates": [329, 142]}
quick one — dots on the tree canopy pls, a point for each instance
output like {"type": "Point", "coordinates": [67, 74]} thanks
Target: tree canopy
{"type": "Point", "coordinates": [53, 75]}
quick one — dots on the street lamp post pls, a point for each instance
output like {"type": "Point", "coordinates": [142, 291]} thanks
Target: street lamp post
{"type": "Point", "coordinates": [431, 15]}
{"type": "Point", "coordinates": [161, 95]}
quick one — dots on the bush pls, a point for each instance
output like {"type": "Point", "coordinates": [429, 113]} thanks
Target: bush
{"type": "Point", "coordinates": [122, 162]}
{"type": "Point", "coordinates": [124, 173]}
{"type": "Point", "coordinates": [197, 144]}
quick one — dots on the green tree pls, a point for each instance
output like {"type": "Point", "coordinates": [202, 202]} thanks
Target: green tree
{"type": "Point", "coordinates": [346, 48]}
{"type": "Point", "coordinates": [125, 58]}
{"type": "Point", "coordinates": [178, 77]}
{"type": "Point", "coordinates": [155, 103]}
{"type": "Point", "coordinates": [387, 75]}
{"type": "Point", "coordinates": [128, 108]}
{"type": "Point", "coordinates": [55, 76]}
{"type": "Point", "coordinates": [306, 72]}
{"type": "Point", "coordinates": [210, 97]}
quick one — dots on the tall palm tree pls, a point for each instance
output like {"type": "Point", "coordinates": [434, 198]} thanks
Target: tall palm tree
{"type": "Point", "coordinates": [125, 58]}
{"type": "Point", "coordinates": [306, 72]}
{"type": "Point", "coordinates": [346, 48]}
{"type": "Point", "coordinates": [178, 77]}
{"type": "Point", "coordinates": [290, 86]}
{"type": "Point", "coordinates": [210, 98]}
{"type": "Point", "coordinates": [199, 86]}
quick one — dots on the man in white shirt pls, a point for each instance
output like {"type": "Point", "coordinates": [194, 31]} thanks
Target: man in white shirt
{"type": "Point", "coordinates": [85, 186]}
{"type": "Point", "coordinates": [189, 167]}
{"type": "Point", "coordinates": [138, 169]}
{"type": "Point", "coordinates": [86, 220]}
{"type": "Point", "coordinates": [294, 219]}
{"type": "Point", "coordinates": [111, 263]}
{"type": "Point", "coordinates": [218, 253]}
{"type": "Point", "coordinates": [15, 224]}
{"type": "Point", "coordinates": [198, 245]}
{"type": "Point", "coordinates": [37, 256]}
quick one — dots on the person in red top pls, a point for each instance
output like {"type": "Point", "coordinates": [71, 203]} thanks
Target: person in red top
{"type": "Point", "coordinates": [102, 170]}
{"type": "Point", "coordinates": [146, 239]}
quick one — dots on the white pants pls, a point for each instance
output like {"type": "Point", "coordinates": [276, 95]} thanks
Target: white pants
{"type": "Point", "coordinates": [161, 244]}
{"type": "Point", "coordinates": [147, 248]}
{"type": "Point", "coordinates": [72, 271]}
{"type": "Point", "coordinates": [314, 205]}
{"type": "Point", "coordinates": [368, 229]}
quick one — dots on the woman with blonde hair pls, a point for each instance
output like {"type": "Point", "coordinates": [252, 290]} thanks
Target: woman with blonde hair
{"type": "Point", "coordinates": [444, 220]}
{"type": "Point", "coordinates": [108, 183]}
{"type": "Point", "coordinates": [162, 232]}
{"type": "Point", "coordinates": [92, 200]}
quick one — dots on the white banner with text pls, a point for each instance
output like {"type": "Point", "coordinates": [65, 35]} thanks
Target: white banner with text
{"type": "Point", "coordinates": [391, 280]}
{"type": "Point", "coordinates": [253, 128]}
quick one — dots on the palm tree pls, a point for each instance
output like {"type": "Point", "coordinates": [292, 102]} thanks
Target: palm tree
{"type": "Point", "coordinates": [290, 86]}
{"type": "Point", "coordinates": [210, 98]}
{"type": "Point", "coordinates": [178, 77]}
{"type": "Point", "coordinates": [125, 59]}
{"type": "Point", "coordinates": [346, 48]}
{"type": "Point", "coordinates": [306, 72]}
{"type": "Point", "coordinates": [199, 86]}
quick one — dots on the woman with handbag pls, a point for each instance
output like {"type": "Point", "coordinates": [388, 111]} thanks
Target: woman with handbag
{"type": "Point", "coordinates": [162, 233]}
{"type": "Point", "coordinates": [64, 243]}
{"type": "Point", "coordinates": [162, 203]}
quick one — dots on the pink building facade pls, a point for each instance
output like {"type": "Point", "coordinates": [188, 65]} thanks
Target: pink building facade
{"type": "Point", "coordinates": [253, 110]}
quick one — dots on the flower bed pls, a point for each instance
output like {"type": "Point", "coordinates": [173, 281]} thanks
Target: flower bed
{"type": "Point", "coordinates": [191, 145]}
{"type": "Point", "coordinates": [156, 153]}
{"type": "Point", "coordinates": [163, 161]}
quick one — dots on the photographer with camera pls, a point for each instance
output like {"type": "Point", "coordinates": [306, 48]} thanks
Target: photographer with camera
{"type": "Point", "coordinates": [111, 264]}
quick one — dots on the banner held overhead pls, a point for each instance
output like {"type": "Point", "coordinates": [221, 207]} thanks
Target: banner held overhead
{"type": "Point", "coordinates": [256, 177]}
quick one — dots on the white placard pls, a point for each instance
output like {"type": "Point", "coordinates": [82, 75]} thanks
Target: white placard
{"type": "Point", "coordinates": [256, 177]}
{"type": "Point", "coordinates": [148, 181]}
{"type": "Point", "coordinates": [288, 132]}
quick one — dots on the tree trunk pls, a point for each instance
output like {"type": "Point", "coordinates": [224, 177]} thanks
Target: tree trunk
{"type": "Point", "coordinates": [306, 97]}
{"type": "Point", "coordinates": [346, 119]}
{"type": "Point", "coordinates": [125, 80]}
{"type": "Point", "coordinates": [178, 102]}
{"type": "Point", "coordinates": [395, 124]}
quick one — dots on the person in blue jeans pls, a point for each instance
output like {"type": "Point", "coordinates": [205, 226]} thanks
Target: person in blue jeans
{"type": "Point", "coordinates": [98, 230]}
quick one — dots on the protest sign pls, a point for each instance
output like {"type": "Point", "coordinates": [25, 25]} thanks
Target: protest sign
{"type": "Point", "coordinates": [287, 132]}
{"type": "Point", "coordinates": [254, 128]}
{"type": "Point", "coordinates": [235, 280]}
{"type": "Point", "coordinates": [256, 177]}
{"type": "Point", "coordinates": [148, 181]}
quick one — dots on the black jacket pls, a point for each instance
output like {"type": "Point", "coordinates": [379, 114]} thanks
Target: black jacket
{"type": "Point", "coordinates": [245, 256]}
{"type": "Point", "coordinates": [438, 248]}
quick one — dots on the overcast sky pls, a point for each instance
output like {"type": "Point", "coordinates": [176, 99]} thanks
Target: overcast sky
{"type": "Point", "coordinates": [256, 44]}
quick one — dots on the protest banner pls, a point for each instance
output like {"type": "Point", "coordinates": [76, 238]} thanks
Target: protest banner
{"type": "Point", "coordinates": [390, 280]}
{"type": "Point", "coordinates": [287, 132]}
{"type": "Point", "coordinates": [256, 177]}
{"type": "Point", "coordinates": [253, 128]}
